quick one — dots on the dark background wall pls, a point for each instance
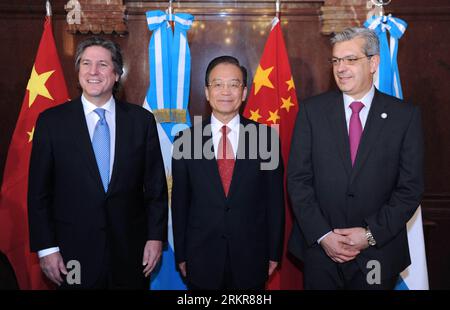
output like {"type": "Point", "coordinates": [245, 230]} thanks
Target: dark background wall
{"type": "Point", "coordinates": [424, 63]}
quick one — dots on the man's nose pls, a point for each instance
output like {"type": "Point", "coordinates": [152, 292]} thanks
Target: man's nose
{"type": "Point", "coordinates": [93, 69]}
{"type": "Point", "coordinates": [341, 66]}
{"type": "Point", "coordinates": [226, 88]}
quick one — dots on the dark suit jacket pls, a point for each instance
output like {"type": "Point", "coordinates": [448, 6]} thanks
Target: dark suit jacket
{"type": "Point", "coordinates": [381, 191]}
{"type": "Point", "coordinates": [8, 280]}
{"type": "Point", "coordinates": [68, 207]}
{"type": "Point", "coordinates": [250, 221]}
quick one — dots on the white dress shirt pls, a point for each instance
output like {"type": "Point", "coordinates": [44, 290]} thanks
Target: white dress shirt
{"type": "Point", "coordinates": [366, 100]}
{"type": "Point", "coordinates": [91, 120]}
{"type": "Point", "coordinates": [363, 114]}
{"type": "Point", "coordinates": [233, 135]}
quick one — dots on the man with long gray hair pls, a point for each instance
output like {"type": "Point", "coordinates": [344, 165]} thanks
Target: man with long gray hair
{"type": "Point", "coordinates": [97, 198]}
{"type": "Point", "coordinates": [354, 175]}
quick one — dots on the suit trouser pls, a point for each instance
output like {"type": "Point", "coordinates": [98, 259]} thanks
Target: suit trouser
{"type": "Point", "coordinates": [103, 281]}
{"type": "Point", "coordinates": [341, 276]}
{"type": "Point", "coordinates": [105, 278]}
{"type": "Point", "coordinates": [228, 282]}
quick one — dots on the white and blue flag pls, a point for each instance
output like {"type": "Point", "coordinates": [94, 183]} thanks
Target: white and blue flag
{"type": "Point", "coordinates": [168, 97]}
{"type": "Point", "coordinates": [387, 80]}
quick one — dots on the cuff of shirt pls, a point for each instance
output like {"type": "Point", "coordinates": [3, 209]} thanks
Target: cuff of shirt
{"type": "Point", "coordinates": [321, 238]}
{"type": "Point", "coordinates": [48, 251]}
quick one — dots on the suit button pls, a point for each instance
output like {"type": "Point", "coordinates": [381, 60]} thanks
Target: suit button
{"type": "Point", "coordinates": [351, 195]}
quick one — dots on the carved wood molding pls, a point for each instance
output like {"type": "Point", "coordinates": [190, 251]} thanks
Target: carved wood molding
{"type": "Point", "coordinates": [435, 208]}
{"type": "Point", "coordinates": [96, 16]}
{"type": "Point", "coordinates": [13, 8]}
{"type": "Point", "coordinates": [30, 9]}
{"type": "Point", "coordinates": [340, 14]}
{"type": "Point", "coordinates": [208, 9]}
{"type": "Point", "coordinates": [243, 10]}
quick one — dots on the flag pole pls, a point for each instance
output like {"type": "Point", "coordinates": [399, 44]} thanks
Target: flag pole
{"type": "Point", "coordinates": [277, 8]}
{"type": "Point", "coordinates": [263, 99]}
{"type": "Point", "coordinates": [170, 9]}
{"type": "Point", "coordinates": [170, 12]}
{"type": "Point", "coordinates": [46, 78]}
{"type": "Point", "coordinates": [48, 8]}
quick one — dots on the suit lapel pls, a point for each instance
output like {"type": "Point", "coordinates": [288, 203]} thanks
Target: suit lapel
{"type": "Point", "coordinates": [210, 165]}
{"type": "Point", "coordinates": [80, 133]}
{"type": "Point", "coordinates": [372, 129]}
{"type": "Point", "coordinates": [339, 131]}
{"type": "Point", "coordinates": [123, 134]}
{"type": "Point", "coordinates": [239, 167]}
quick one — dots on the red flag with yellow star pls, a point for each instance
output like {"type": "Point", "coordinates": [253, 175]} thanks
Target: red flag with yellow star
{"type": "Point", "coordinates": [273, 101]}
{"type": "Point", "coordinates": [46, 88]}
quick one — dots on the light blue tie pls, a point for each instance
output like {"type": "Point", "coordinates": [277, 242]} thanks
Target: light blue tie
{"type": "Point", "coordinates": [100, 143]}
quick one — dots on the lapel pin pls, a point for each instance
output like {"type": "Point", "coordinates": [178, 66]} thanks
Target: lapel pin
{"type": "Point", "coordinates": [383, 115]}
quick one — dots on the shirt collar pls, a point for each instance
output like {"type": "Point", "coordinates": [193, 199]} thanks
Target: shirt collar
{"type": "Point", "coordinates": [366, 99]}
{"type": "Point", "coordinates": [217, 125]}
{"type": "Point", "coordinates": [89, 107]}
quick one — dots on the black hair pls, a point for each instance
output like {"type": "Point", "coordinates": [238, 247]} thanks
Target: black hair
{"type": "Point", "coordinates": [225, 60]}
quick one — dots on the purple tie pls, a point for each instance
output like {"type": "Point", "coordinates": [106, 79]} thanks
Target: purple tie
{"type": "Point", "coordinates": [355, 130]}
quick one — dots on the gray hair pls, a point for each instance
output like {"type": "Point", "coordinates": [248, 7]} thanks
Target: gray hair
{"type": "Point", "coordinates": [114, 48]}
{"type": "Point", "coordinates": [372, 44]}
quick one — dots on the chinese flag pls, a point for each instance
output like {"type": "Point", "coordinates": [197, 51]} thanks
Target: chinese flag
{"type": "Point", "coordinates": [46, 88]}
{"type": "Point", "coordinates": [273, 101]}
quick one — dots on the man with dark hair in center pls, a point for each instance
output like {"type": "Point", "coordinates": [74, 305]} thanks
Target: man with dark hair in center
{"type": "Point", "coordinates": [228, 210]}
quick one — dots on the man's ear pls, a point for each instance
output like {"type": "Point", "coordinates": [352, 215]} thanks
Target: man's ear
{"type": "Point", "coordinates": [244, 93]}
{"type": "Point", "coordinates": [374, 63]}
{"type": "Point", "coordinates": [206, 93]}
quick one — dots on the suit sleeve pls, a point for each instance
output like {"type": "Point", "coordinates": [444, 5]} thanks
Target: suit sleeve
{"type": "Point", "coordinates": [155, 186]}
{"type": "Point", "coordinates": [300, 181]}
{"type": "Point", "coordinates": [40, 189]}
{"type": "Point", "coordinates": [180, 200]}
{"type": "Point", "coordinates": [404, 200]}
{"type": "Point", "coordinates": [276, 209]}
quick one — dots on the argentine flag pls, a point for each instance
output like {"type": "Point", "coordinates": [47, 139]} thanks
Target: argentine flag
{"type": "Point", "coordinates": [387, 80]}
{"type": "Point", "coordinates": [167, 97]}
